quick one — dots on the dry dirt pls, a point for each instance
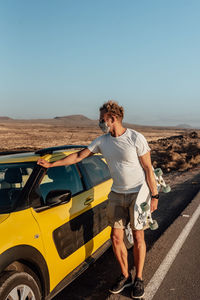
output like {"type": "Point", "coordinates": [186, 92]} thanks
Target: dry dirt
{"type": "Point", "coordinates": [172, 149]}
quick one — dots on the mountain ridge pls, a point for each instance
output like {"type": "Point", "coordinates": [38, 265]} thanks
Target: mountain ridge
{"type": "Point", "coordinates": [79, 120]}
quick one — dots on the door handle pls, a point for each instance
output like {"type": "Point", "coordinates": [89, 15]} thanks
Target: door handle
{"type": "Point", "coordinates": [88, 200]}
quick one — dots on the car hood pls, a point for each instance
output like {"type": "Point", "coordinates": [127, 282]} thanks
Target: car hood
{"type": "Point", "coordinates": [3, 217]}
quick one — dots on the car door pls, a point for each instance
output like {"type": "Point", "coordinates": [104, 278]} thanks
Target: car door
{"type": "Point", "coordinates": [68, 229]}
{"type": "Point", "coordinates": [63, 237]}
{"type": "Point", "coordinates": [97, 178]}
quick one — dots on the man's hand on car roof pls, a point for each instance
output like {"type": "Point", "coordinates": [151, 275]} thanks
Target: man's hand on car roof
{"type": "Point", "coordinates": [43, 163]}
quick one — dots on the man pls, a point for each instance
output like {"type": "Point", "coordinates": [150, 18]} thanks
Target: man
{"type": "Point", "coordinates": [128, 157]}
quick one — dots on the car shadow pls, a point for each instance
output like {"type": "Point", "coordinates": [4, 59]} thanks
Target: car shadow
{"type": "Point", "coordinates": [82, 228]}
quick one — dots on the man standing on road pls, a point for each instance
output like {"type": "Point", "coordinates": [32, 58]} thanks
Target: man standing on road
{"type": "Point", "coordinates": [128, 157]}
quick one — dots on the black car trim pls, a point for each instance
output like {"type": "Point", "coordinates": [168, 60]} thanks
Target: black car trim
{"type": "Point", "coordinates": [85, 177]}
{"type": "Point", "coordinates": [79, 270]}
{"type": "Point", "coordinates": [78, 231]}
{"type": "Point", "coordinates": [24, 201]}
{"type": "Point", "coordinates": [31, 256]}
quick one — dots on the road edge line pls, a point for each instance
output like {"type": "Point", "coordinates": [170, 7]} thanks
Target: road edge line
{"type": "Point", "coordinates": [162, 270]}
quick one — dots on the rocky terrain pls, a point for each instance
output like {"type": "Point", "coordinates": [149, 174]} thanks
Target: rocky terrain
{"type": "Point", "coordinates": [181, 152]}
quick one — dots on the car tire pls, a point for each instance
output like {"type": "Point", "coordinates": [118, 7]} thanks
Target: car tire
{"type": "Point", "coordinates": [15, 285]}
{"type": "Point", "coordinates": [128, 237]}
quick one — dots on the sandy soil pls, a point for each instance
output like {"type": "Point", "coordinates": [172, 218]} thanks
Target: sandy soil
{"type": "Point", "coordinates": [172, 148]}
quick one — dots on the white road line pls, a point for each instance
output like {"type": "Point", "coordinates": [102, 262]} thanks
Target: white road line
{"type": "Point", "coordinates": [161, 272]}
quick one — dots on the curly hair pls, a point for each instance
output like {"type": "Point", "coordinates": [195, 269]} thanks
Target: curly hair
{"type": "Point", "coordinates": [113, 108]}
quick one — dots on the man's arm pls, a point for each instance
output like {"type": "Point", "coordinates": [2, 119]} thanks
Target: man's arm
{"type": "Point", "coordinates": [145, 161]}
{"type": "Point", "coordinates": [68, 160]}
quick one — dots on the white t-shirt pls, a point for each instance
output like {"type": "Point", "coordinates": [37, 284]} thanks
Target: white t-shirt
{"type": "Point", "coordinates": [121, 154]}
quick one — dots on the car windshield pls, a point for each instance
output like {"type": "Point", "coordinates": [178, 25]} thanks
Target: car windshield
{"type": "Point", "coordinates": [13, 178]}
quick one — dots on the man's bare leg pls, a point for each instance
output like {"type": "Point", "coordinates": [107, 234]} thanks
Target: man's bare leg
{"type": "Point", "coordinates": [120, 250]}
{"type": "Point", "coordinates": [139, 251]}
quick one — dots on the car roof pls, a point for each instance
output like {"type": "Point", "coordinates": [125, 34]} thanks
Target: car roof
{"type": "Point", "coordinates": [51, 153]}
{"type": "Point", "coordinates": [31, 156]}
{"type": "Point", "coordinates": [18, 157]}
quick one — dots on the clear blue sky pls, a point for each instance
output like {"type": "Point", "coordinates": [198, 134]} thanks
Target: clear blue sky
{"type": "Point", "coordinates": [68, 57]}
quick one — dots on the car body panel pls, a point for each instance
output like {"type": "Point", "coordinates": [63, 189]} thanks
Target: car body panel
{"type": "Point", "coordinates": [66, 235]}
{"type": "Point", "coordinates": [51, 219]}
{"type": "Point", "coordinates": [22, 229]}
{"type": "Point", "coordinates": [3, 217]}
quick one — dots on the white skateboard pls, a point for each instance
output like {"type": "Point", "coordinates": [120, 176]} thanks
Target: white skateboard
{"type": "Point", "coordinates": [142, 212]}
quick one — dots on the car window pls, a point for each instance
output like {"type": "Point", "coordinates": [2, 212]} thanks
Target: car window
{"type": "Point", "coordinates": [61, 178]}
{"type": "Point", "coordinates": [96, 169]}
{"type": "Point", "coordinates": [13, 178]}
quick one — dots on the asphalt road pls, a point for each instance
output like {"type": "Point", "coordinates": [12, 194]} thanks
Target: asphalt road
{"type": "Point", "coordinates": [183, 278]}
{"type": "Point", "coordinates": [181, 281]}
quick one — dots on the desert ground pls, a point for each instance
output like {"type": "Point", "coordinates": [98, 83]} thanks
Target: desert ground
{"type": "Point", "coordinates": [173, 149]}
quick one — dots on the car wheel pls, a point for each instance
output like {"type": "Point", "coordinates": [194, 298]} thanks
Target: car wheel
{"type": "Point", "coordinates": [18, 285]}
{"type": "Point", "coordinates": [128, 237]}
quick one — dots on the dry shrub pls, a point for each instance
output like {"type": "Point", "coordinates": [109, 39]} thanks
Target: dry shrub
{"type": "Point", "coordinates": [195, 160]}
{"type": "Point", "coordinates": [185, 166]}
{"type": "Point", "coordinates": [175, 156]}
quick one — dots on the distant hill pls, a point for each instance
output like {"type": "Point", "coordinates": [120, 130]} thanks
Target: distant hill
{"type": "Point", "coordinates": [4, 118]}
{"type": "Point", "coordinates": [184, 126]}
{"type": "Point", "coordinates": [76, 120]}
{"type": "Point", "coordinates": [74, 117]}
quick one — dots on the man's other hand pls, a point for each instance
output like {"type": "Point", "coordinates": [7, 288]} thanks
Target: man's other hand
{"type": "Point", "coordinates": [154, 204]}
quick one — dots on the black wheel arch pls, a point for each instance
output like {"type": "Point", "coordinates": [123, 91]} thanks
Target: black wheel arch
{"type": "Point", "coordinates": [30, 257]}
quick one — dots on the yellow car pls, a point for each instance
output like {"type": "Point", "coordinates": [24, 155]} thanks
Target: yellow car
{"type": "Point", "coordinates": [52, 222]}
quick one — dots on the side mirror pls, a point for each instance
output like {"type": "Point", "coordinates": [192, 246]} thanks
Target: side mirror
{"type": "Point", "coordinates": [56, 197]}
